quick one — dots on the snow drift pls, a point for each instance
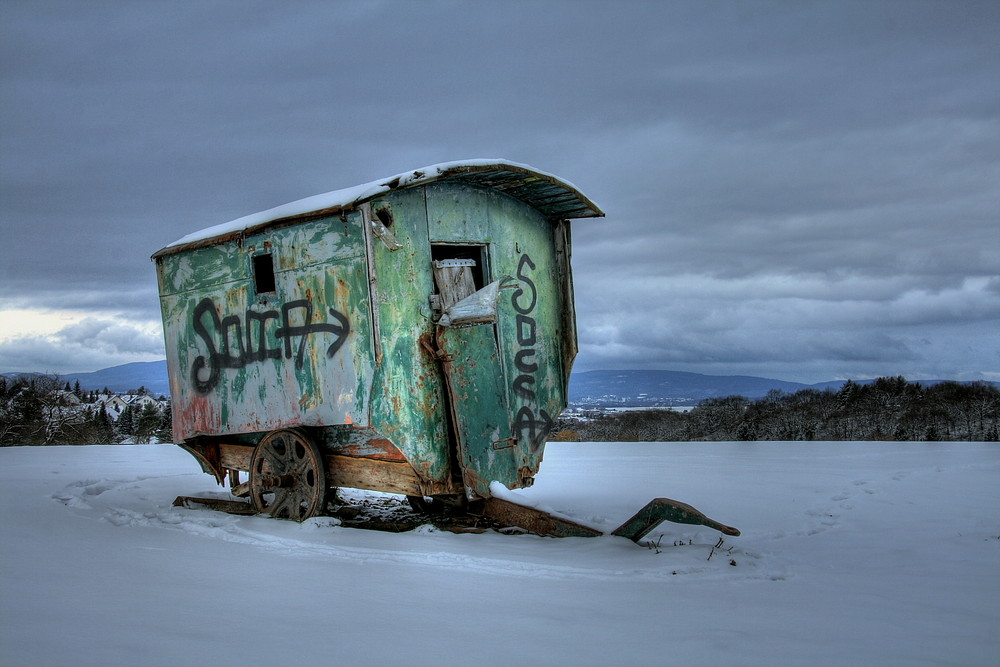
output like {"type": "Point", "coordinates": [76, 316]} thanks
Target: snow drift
{"type": "Point", "coordinates": [852, 553]}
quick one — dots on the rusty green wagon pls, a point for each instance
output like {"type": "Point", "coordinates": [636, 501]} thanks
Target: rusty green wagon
{"type": "Point", "coordinates": [413, 335]}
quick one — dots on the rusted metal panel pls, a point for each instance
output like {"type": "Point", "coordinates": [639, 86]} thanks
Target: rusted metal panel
{"type": "Point", "coordinates": [243, 361]}
{"type": "Point", "coordinates": [408, 404]}
{"type": "Point", "coordinates": [203, 269]}
{"type": "Point", "coordinates": [379, 449]}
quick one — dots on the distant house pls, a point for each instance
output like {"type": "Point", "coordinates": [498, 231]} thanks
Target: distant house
{"type": "Point", "coordinates": [65, 398]}
{"type": "Point", "coordinates": [140, 401]}
{"type": "Point", "coordinates": [114, 405]}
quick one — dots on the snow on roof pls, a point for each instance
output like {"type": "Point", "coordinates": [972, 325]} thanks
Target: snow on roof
{"type": "Point", "coordinates": [550, 195]}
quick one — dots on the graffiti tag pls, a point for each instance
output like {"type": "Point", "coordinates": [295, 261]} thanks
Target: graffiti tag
{"type": "Point", "coordinates": [524, 300]}
{"type": "Point", "coordinates": [237, 350]}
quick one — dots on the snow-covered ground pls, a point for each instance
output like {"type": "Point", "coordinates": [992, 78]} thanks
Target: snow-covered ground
{"type": "Point", "coordinates": [851, 554]}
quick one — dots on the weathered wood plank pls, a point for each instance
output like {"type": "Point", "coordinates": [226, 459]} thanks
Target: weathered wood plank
{"type": "Point", "coordinates": [228, 506]}
{"type": "Point", "coordinates": [241, 490]}
{"type": "Point", "coordinates": [235, 457]}
{"type": "Point", "coordinates": [347, 471]}
{"type": "Point", "coordinates": [534, 520]}
{"type": "Point", "coordinates": [386, 476]}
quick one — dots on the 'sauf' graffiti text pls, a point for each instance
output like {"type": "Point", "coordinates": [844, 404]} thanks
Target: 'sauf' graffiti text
{"type": "Point", "coordinates": [244, 340]}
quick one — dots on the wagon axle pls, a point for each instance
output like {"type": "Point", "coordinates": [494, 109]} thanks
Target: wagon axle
{"type": "Point", "coordinates": [277, 482]}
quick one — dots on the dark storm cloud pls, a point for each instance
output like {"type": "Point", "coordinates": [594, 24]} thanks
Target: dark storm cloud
{"type": "Point", "coordinates": [797, 188]}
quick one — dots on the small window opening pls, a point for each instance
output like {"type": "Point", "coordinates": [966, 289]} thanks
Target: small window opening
{"type": "Point", "coordinates": [263, 273]}
{"type": "Point", "coordinates": [384, 216]}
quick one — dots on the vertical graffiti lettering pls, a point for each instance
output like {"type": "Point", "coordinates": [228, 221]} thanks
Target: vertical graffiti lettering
{"type": "Point", "coordinates": [236, 351]}
{"type": "Point", "coordinates": [516, 297]}
{"type": "Point", "coordinates": [524, 299]}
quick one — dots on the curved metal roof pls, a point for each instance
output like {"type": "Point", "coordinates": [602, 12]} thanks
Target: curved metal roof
{"type": "Point", "coordinates": [553, 197]}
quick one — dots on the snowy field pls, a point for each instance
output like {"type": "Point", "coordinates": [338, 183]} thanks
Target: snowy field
{"type": "Point", "coordinates": [851, 554]}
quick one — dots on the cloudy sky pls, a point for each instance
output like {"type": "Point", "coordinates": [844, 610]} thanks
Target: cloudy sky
{"type": "Point", "coordinates": [806, 191]}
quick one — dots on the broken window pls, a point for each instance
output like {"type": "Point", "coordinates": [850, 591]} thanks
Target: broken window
{"type": "Point", "coordinates": [458, 272]}
{"type": "Point", "coordinates": [263, 273]}
{"type": "Point", "coordinates": [383, 212]}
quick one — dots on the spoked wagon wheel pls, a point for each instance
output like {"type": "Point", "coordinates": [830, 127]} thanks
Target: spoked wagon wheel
{"type": "Point", "coordinates": [288, 476]}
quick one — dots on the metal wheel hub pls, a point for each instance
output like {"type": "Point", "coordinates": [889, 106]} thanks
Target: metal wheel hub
{"type": "Point", "coordinates": [288, 476]}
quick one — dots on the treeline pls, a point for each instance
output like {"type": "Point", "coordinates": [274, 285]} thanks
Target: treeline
{"type": "Point", "coordinates": [889, 408]}
{"type": "Point", "coordinates": [41, 410]}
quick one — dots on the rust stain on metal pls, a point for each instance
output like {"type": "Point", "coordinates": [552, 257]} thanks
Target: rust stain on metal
{"type": "Point", "coordinates": [379, 449]}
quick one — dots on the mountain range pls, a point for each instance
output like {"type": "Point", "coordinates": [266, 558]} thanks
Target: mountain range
{"type": "Point", "coordinates": [589, 388]}
{"type": "Point", "coordinates": [656, 387]}
{"type": "Point", "coordinates": [149, 374]}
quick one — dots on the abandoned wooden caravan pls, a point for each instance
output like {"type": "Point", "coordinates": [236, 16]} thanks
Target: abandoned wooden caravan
{"type": "Point", "coordinates": [413, 335]}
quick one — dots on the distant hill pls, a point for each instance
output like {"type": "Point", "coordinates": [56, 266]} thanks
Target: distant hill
{"type": "Point", "coordinates": [149, 374]}
{"type": "Point", "coordinates": [649, 388]}
{"type": "Point", "coordinates": [597, 388]}
{"type": "Point", "coordinates": [653, 387]}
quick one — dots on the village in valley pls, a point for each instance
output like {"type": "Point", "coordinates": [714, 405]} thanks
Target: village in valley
{"type": "Point", "coordinates": [42, 410]}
